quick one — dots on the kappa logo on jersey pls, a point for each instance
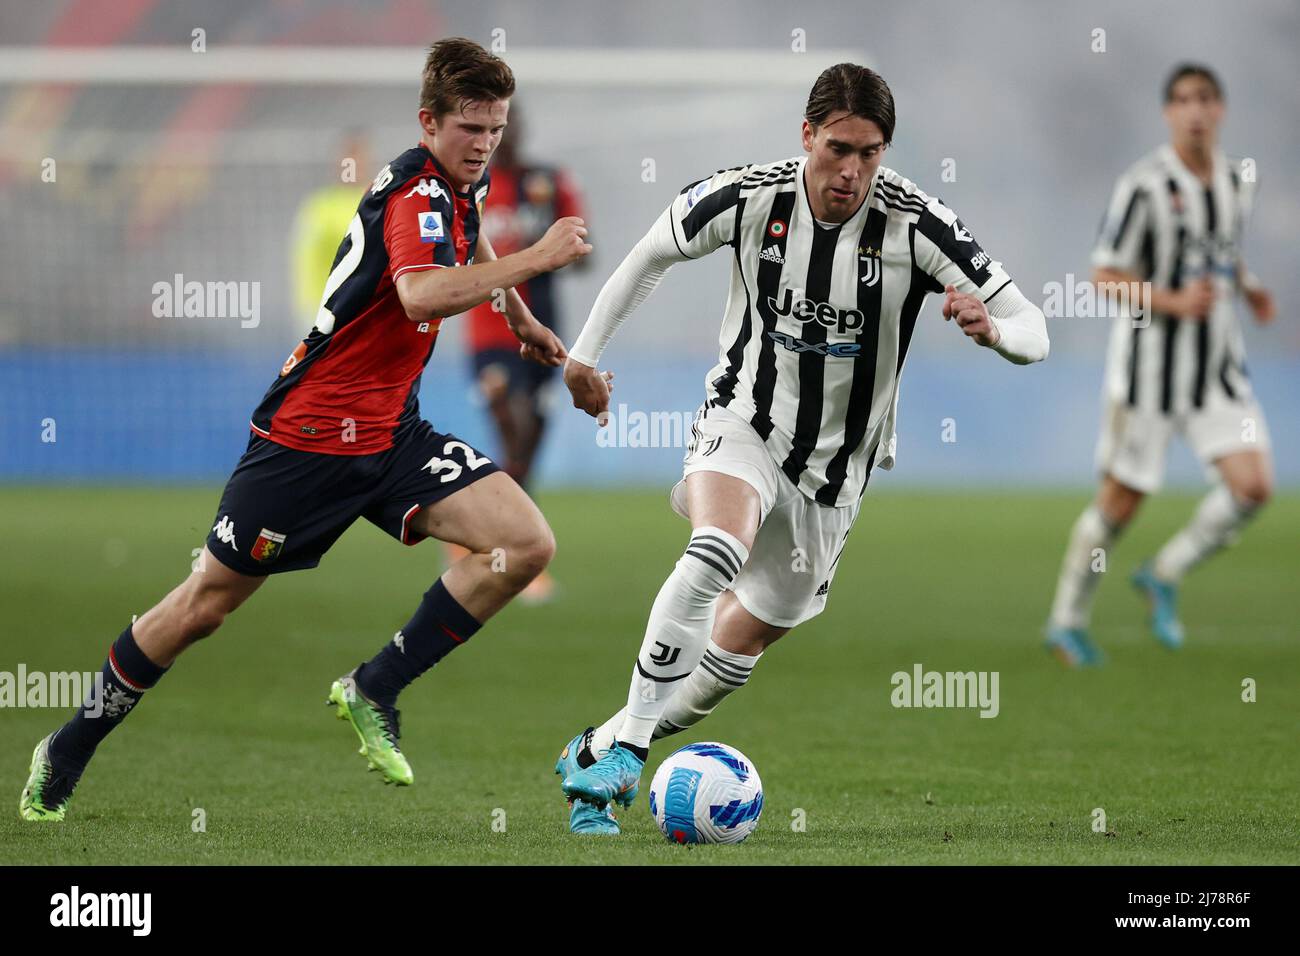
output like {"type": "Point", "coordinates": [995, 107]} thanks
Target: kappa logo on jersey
{"type": "Point", "coordinates": [428, 187]}
{"type": "Point", "coordinates": [870, 259]}
{"type": "Point", "coordinates": [431, 228]}
{"type": "Point", "coordinates": [268, 545]}
{"type": "Point", "coordinates": [960, 232]}
{"type": "Point", "coordinates": [807, 310]}
{"type": "Point", "coordinates": [830, 350]}
{"type": "Point", "coordinates": [225, 531]}
{"type": "Point", "coordinates": [772, 254]}
{"type": "Point", "coordinates": [697, 192]}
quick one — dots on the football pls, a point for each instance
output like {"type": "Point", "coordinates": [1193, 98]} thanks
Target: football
{"type": "Point", "coordinates": [706, 793]}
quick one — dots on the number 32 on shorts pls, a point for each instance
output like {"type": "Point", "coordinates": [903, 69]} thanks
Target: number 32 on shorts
{"type": "Point", "coordinates": [450, 469]}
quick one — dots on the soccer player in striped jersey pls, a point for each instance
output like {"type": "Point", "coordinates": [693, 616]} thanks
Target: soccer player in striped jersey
{"type": "Point", "coordinates": [338, 436]}
{"type": "Point", "coordinates": [1176, 364]}
{"type": "Point", "coordinates": [832, 256]}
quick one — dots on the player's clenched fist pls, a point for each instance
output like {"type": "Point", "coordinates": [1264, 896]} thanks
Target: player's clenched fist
{"type": "Point", "coordinates": [971, 315]}
{"type": "Point", "coordinates": [590, 389]}
{"type": "Point", "coordinates": [564, 242]}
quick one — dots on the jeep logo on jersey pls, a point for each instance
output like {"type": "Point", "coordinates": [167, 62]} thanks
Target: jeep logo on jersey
{"type": "Point", "coordinates": [431, 227]}
{"type": "Point", "coordinates": [427, 187]}
{"type": "Point", "coordinates": [806, 310]}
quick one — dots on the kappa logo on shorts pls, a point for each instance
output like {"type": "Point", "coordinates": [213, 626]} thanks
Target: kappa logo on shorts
{"type": "Point", "coordinates": [268, 545]}
{"type": "Point", "coordinates": [225, 531]}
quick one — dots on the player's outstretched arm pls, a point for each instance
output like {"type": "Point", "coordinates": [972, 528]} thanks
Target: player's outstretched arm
{"type": "Point", "coordinates": [434, 293]}
{"type": "Point", "coordinates": [1258, 298]}
{"type": "Point", "coordinates": [1191, 302]}
{"type": "Point", "coordinates": [632, 282]}
{"type": "Point", "coordinates": [538, 343]}
{"type": "Point", "coordinates": [1009, 323]}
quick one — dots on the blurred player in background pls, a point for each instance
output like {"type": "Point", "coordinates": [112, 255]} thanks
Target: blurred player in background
{"type": "Point", "coordinates": [526, 199]}
{"type": "Point", "coordinates": [338, 436]}
{"type": "Point", "coordinates": [322, 217]}
{"type": "Point", "coordinates": [833, 255]}
{"type": "Point", "coordinates": [1175, 220]}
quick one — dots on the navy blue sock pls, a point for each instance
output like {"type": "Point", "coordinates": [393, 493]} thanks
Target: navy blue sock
{"type": "Point", "coordinates": [642, 753]}
{"type": "Point", "coordinates": [438, 626]}
{"type": "Point", "coordinates": [127, 674]}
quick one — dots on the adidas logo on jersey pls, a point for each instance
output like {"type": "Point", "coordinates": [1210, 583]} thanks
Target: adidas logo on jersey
{"type": "Point", "coordinates": [772, 254]}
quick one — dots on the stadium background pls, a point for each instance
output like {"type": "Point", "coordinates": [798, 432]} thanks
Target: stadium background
{"type": "Point", "coordinates": [171, 161]}
{"type": "Point", "coordinates": [178, 174]}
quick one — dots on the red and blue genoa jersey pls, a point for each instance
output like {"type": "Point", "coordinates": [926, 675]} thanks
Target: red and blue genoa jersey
{"type": "Point", "coordinates": [351, 387]}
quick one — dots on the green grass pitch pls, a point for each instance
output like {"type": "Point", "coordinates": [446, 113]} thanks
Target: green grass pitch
{"type": "Point", "coordinates": [1185, 771]}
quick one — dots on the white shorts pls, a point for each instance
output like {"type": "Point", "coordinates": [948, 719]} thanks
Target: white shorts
{"type": "Point", "coordinates": [788, 575]}
{"type": "Point", "coordinates": [1134, 442]}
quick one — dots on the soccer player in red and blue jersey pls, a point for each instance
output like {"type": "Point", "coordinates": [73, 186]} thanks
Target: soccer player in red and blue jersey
{"type": "Point", "coordinates": [338, 436]}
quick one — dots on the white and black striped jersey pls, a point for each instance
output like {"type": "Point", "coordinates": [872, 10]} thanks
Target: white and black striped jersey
{"type": "Point", "coordinates": [819, 318]}
{"type": "Point", "coordinates": [1167, 227]}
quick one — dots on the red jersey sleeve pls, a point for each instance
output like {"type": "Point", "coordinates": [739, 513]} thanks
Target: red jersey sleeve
{"type": "Point", "coordinates": [568, 201]}
{"type": "Point", "coordinates": [418, 226]}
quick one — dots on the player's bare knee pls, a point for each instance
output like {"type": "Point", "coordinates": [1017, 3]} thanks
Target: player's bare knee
{"type": "Point", "coordinates": [493, 384]}
{"type": "Point", "coordinates": [530, 553]}
{"type": "Point", "coordinates": [1118, 503]}
{"type": "Point", "coordinates": [1253, 493]}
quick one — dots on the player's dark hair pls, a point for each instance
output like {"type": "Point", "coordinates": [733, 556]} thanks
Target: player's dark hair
{"type": "Point", "coordinates": [856, 90]}
{"type": "Point", "coordinates": [1184, 70]}
{"type": "Point", "coordinates": [459, 72]}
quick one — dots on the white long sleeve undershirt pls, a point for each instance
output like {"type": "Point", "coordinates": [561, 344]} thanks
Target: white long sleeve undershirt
{"type": "Point", "coordinates": [634, 279]}
{"type": "Point", "coordinates": [1023, 328]}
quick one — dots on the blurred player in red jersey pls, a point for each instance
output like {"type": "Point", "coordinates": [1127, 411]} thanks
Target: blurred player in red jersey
{"type": "Point", "coordinates": [339, 436]}
{"type": "Point", "coordinates": [526, 199]}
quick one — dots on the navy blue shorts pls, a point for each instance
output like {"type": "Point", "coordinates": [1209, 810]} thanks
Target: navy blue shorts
{"type": "Point", "coordinates": [283, 508]}
{"type": "Point", "coordinates": [521, 374]}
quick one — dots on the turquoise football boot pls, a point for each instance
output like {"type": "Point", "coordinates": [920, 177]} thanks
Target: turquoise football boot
{"type": "Point", "coordinates": [1073, 647]}
{"type": "Point", "coordinates": [584, 817]}
{"type": "Point", "coordinates": [587, 819]}
{"type": "Point", "coordinates": [614, 778]}
{"type": "Point", "coordinates": [1162, 598]}
{"type": "Point", "coordinates": [567, 763]}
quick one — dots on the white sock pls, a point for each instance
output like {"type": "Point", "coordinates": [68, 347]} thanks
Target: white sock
{"type": "Point", "coordinates": [1077, 582]}
{"type": "Point", "coordinates": [719, 673]}
{"type": "Point", "coordinates": [681, 621]}
{"type": "Point", "coordinates": [1218, 520]}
